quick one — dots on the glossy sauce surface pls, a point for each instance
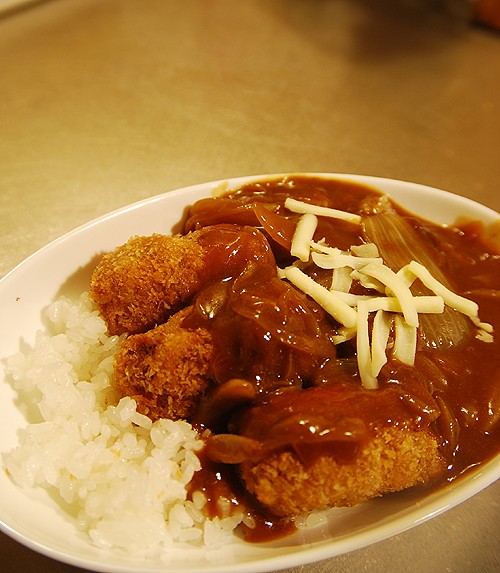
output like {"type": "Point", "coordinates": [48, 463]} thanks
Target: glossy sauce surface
{"type": "Point", "coordinates": [302, 392]}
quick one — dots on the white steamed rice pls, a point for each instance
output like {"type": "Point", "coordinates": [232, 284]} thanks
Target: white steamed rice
{"type": "Point", "coordinates": [123, 476]}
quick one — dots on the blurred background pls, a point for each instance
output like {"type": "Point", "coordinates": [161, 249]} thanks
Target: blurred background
{"type": "Point", "coordinates": [105, 102]}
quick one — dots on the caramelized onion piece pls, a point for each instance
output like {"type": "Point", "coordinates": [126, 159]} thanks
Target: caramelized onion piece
{"type": "Point", "coordinates": [490, 414]}
{"type": "Point", "coordinates": [214, 211]}
{"type": "Point", "coordinates": [222, 400]}
{"type": "Point", "coordinates": [280, 311]}
{"type": "Point", "coordinates": [399, 243]}
{"type": "Point", "coordinates": [232, 449]}
{"type": "Point", "coordinates": [447, 425]}
{"type": "Point", "coordinates": [280, 229]}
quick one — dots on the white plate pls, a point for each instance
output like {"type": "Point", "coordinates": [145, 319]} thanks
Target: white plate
{"type": "Point", "coordinates": [64, 266]}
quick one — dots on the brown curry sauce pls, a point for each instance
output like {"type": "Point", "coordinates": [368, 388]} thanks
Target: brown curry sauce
{"type": "Point", "coordinates": [277, 343]}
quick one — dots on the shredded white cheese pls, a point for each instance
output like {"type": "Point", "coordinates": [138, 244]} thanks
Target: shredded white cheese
{"type": "Point", "coordinates": [363, 351]}
{"type": "Point", "coordinates": [484, 335]}
{"type": "Point", "coordinates": [381, 329]}
{"type": "Point", "coordinates": [405, 341]}
{"type": "Point", "coordinates": [350, 298]}
{"type": "Point", "coordinates": [395, 308]}
{"type": "Point", "coordinates": [368, 281]}
{"type": "Point", "coordinates": [345, 334]}
{"type": "Point", "coordinates": [423, 304]}
{"type": "Point", "coordinates": [390, 279]}
{"type": "Point", "coordinates": [367, 250]}
{"type": "Point", "coordinates": [463, 305]}
{"type": "Point", "coordinates": [302, 238]}
{"type": "Point", "coordinates": [339, 260]}
{"type": "Point", "coordinates": [336, 307]}
{"type": "Point", "coordinates": [341, 280]}
{"type": "Point", "coordinates": [488, 328]}
{"type": "Point", "coordinates": [302, 207]}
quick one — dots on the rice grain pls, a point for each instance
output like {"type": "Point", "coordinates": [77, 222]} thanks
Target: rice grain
{"type": "Point", "coordinates": [124, 476]}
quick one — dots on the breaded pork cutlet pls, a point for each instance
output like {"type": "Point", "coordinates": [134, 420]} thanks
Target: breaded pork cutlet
{"type": "Point", "coordinates": [331, 446]}
{"type": "Point", "coordinates": [143, 282]}
{"type": "Point", "coordinates": [165, 369]}
{"type": "Point", "coordinates": [392, 460]}
{"type": "Point", "coordinates": [140, 283]}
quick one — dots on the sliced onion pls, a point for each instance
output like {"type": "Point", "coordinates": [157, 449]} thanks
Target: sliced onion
{"type": "Point", "coordinates": [279, 228]}
{"type": "Point", "coordinates": [399, 243]}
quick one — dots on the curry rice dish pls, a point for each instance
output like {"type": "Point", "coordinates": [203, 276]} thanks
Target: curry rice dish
{"type": "Point", "coordinates": [328, 346]}
{"type": "Point", "coordinates": [302, 343]}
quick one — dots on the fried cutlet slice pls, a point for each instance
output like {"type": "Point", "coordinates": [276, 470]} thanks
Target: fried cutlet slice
{"type": "Point", "coordinates": [140, 283]}
{"type": "Point", "coordinates": [143, 282]}
{"type": "Point", "coordinates": [165, 369]}
{"type": "Point", "coordinates": [335, 445]}
{"type": "Point", "coordinates": [392, 460]}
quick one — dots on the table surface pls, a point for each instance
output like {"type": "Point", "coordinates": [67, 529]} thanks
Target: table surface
{"type": "Point", "coordinates": [105, 102]}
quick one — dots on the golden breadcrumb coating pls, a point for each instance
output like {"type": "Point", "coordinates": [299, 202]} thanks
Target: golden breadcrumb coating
{"type": "Point", "coordinates": [139, 284]}
{"type": "Point", "coordinates": [165, 369]}
{"type": "Point", "coordinates": [393, 460]}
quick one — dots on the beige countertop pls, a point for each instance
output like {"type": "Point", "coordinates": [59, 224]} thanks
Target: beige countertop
{"type": "Point", "coordinates": [105, 102]}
